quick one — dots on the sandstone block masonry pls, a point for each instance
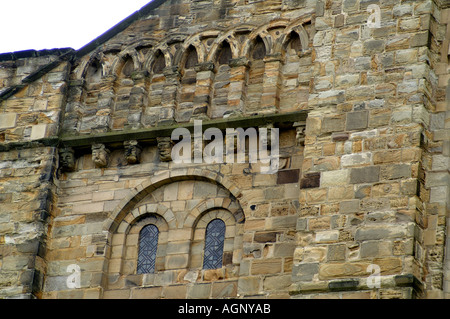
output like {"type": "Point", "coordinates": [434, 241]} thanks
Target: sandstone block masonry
{"type": "Point", "coordinates": [361, 190]}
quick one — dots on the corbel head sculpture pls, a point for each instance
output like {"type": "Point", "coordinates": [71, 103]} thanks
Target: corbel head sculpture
{"type": "Point", "coordinates": [100, 155]}
{"type": "Point", "coordinates": [132, 151]}
{"type": "Point", "coordinates": [165, 148]}
{"type": "Point", "coordinates": [67, 159]}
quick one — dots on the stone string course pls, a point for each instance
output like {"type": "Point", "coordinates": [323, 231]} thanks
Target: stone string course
{"type": "Point", "coordinates": [364, 153]}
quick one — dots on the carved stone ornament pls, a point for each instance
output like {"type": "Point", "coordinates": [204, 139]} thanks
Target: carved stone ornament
{"type": "Point", "coordinates": [100, 155]}
{"type": "Point", "coordinates": [300, 133]}
{"type": "Point", "coordinates": [165, 148]}
{"type": "Point", "coordinates": [132, 151]}
{"type": "Point", "coordinates": [67, 159]}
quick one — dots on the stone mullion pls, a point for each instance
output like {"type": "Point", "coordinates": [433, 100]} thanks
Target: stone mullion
{"type": "Point", "coordinates": [202, 97]}
{"type": "Point", "coordinates": [106, 99]}
{"type": "Point", "coordinates": [238, 79]}
{"type": "Point", "coordinates": [271, 82]}
{"type": "Point", "coordinates": [170, 90]}
{"type": "Point", "coordinates": [138, 98]}
{"type": "Point", "coordinates": [72, 116]}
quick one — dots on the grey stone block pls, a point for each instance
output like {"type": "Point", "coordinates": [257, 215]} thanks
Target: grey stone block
{"type": "Point", "coordinates": [350, 206]}
{"type": "Point", "coordinates": [357, 120]}
{"type": "Point", "coordinates": [304, 272]}
{"type": "Point", "coordinates": [333, 124]}
{"type": "Point", "coordinates": [368, 174]}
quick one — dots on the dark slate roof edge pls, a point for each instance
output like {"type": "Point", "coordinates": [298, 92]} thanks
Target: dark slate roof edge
{"type": "Point", "coordinates": [69, 53]}
{"type": "Point", "coordinates": [119, 27]}
{"type": "Point", "coordinates": [12, 56]}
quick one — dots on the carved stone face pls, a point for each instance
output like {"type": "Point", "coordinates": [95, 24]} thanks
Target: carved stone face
{"type": "Point", "coordinates": [132, 152]}
{"type": "Point", "coordinates": [67, 159]}
{"type": "Point", "coordinates": [100, 155]}
{"type": "Point", "coordinates": [165, 149]}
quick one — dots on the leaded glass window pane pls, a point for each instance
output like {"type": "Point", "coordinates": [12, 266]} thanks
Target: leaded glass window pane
{"type": "Point", "coordinates": [148, 244]}
{"type": "Point", "coordinates": [214, 240]}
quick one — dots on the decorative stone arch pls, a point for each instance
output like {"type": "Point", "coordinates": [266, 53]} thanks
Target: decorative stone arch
{"type": "Point", "coordinates": [298, 28]}
{"type": "Point", "coordinates": [123, 225]}
{"type": "Point", "coordinates": [196, 40]}
{"type": "Point", "coordinates": [143, 46]}
{"type": "Point", "coordinates": [213, 203]}
{"type": "Point", "coordinates": [122, 58]}
{"type": "Point", "coordinates": [231, 213]}
{"type": "Point", "coordinates": [232, 41]}
{"type": "Point", "coordinates": [181, 55]}
{"type": "Point", "coordinates": [86, 62]}
{"type": "Point", "coordinates": [164, 49]}
{"type": "Point", "coordinates": [125, 240]}
{"type": "Point", "coordinates": [93, 63]}
{"type": "Point", "coordinates": [248, 45]}
{"type": "Point", "coordinates": [136, 194]}
{"type": "Point", "coordinates": [146, 209]}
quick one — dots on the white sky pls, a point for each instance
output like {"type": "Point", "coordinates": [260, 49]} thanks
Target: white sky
{"type": "Point", "coordinates": [49, 24]}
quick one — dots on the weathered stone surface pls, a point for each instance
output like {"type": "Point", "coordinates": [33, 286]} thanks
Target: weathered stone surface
{"type": "Point", "coordinates": [305, 272]}
{"type": "Point", "coordinates": [357, 120]}
{"type": "Point", "coordinates": [364, 175]}
{"type": "Point", "coordinates": [382, 232]}
{"type": "Point", "coordinates": [335, 178]}
{"type": "Point", "coordinates": [311, 180]}
{"type": "Point", "coordinates": [8, 120]}
{"type": "Point", "coordinates": [362, 148]}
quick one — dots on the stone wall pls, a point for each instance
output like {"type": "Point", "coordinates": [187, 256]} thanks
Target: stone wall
{"type": "Point", "coordinates": [362, 187]}
{"type": "Point", "coordinates": [32, 93]}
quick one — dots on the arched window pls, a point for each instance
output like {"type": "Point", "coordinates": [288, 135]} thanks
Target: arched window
{"type": "Point", "coordinates": [148, 244]}
{"type": "Point", "coordinates": [214, 242]}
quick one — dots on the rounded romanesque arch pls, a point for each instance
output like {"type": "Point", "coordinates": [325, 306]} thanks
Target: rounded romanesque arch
{"type": "Point", "coordinates": [138, 193]}
{"type": "Point", "coordinates": [229, 204]}
{"type": "Point", "coordinates": [125, 242]}
{"type": "Point", "coordinates": [179, 203]}
{"type": "Point", "coordinates": [131, 56]}
{"type": "Point", "coordinates": [299, 29]}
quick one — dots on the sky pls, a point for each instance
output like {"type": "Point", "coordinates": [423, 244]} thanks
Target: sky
{"type": "Point", "coordinates": [50, 24]}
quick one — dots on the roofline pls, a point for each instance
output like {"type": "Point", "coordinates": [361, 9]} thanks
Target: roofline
{"type": "Point", "coordinates": [113, 31]}
{"type": "Point", "coordinates": [69, 54]}
{"type": "Point", "coordinates": [119, 27]}
{"type": "Point", "coordinates": [25, 54]}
